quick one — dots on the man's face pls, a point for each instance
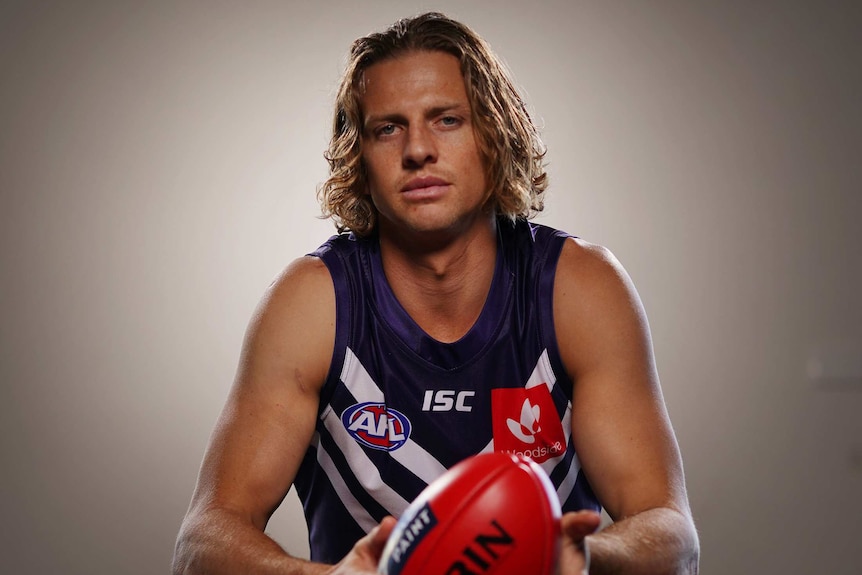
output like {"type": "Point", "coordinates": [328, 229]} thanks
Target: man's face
{"type": "Point", "coordinates": [425, 171]}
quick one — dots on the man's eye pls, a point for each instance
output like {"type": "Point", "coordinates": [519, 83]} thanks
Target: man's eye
{"type": "Point", "coordinates": [449, 121]}
{"type": "Point", "coordinates": [386, 130]}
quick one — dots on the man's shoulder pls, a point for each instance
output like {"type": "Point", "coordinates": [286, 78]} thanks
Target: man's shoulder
{"type": "Point", "coordinates": [592, 286]}
{"type": "Point", "coordinates": [585, 253]}
{"type": "Point", "coordinates": [305, 280]}
{"type": "Point", "coordinates": [589, 265]}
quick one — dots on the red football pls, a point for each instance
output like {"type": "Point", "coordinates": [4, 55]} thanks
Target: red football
{"type": "Point", "coordinates": [494, 512]}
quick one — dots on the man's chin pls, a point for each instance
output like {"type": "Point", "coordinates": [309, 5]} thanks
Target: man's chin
{"type": "Point", "coordinates": [435, 230]}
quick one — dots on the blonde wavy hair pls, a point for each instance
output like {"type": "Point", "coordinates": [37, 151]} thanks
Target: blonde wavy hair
{"type": "Point", "coordinates": [508, 141]}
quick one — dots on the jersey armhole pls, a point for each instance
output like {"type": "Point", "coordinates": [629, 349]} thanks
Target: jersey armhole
{"type": "Point", "coordinates": [341, 284]}
{"type": "Point", "coordinates": [545, 295]}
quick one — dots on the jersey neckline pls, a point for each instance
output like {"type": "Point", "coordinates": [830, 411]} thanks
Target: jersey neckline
{"type": "Point", "coordinates": [444, 355]}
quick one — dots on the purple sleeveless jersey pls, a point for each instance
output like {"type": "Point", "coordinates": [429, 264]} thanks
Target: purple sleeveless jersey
{"type": "Point", "coordinates": [399, 408]}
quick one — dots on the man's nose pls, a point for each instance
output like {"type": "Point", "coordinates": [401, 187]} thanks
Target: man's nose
{"type": "Point", "coordinates": [419, 147]}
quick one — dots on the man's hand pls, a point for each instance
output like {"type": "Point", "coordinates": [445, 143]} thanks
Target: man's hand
{"type": "Point", "coordinates": [574, 527]}
{"type": "Point", "coordinates": [365, 555]}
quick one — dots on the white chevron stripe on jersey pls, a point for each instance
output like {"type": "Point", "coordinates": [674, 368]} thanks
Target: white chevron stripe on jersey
{"type": "Point", "coordinates": [411, 455]}
{"type": "Point", "coordinates": [357, 380]}
{"type": "Point", "coordinates": [542, 373]}
{"type": "Point", "coordinates": [568, 483]}
{"type": "Point", "coordinates": [356, 510]}
{"type": "Point", "coordinates": [418, 461]}
{"type": "Point", "coordinates": [362, 467]}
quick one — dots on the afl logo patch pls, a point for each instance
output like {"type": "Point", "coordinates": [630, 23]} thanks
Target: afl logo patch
{"type": "Point", "coordinates": [376, 426]}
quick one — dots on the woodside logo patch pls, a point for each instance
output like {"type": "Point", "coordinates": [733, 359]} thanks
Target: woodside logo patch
{"type": "Point", "coordinates": [525, 422]}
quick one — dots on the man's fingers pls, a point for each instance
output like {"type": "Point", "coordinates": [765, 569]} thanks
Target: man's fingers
{"type": "Point", "coordinates": [577, 525]}
{"type": "Point", "coordinates": [383, 530]}
{"type": "Point", "coordinates": [378, 536]}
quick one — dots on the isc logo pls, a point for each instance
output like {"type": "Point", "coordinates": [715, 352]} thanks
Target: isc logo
{"type": "Point", "coordinates": [446, 400]}
{"type": "Point", "coordinates": [376, 426]}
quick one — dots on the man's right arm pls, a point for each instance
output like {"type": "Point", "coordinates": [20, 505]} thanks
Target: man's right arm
{"type": "Point", "coordinates": [262, 436]}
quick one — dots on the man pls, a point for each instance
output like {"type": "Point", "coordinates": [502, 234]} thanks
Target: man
{"type": "Point", "coordinates": [444, 325]}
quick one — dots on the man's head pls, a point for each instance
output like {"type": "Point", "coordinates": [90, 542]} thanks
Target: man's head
{"type": "Point", "coordinates": [508, 141]}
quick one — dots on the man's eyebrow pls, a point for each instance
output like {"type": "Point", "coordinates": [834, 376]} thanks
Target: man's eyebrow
{"type": "Point", "coordinates": [454, 106]}
{"type": "Point", "coordinates": [393, 117]}
{"type": "Point", "coordinates": [429, 113]}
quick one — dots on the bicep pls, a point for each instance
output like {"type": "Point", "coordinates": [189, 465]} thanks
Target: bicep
{"type": "Point", "coordinates": [269, 417]}
{"type": "Point", "coordinates": [620, 426]}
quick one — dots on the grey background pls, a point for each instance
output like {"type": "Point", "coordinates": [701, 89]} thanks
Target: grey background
{"type": "Point", "coordinates": [158, 163]}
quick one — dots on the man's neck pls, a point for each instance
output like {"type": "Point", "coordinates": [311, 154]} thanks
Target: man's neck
{"type": "Point", "coordinates": [443, 286]}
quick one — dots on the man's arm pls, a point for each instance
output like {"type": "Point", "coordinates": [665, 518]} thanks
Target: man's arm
{"type": "Point", "coordinates": [262, 436]}
{"type": "Point", "coordinates": [620, 426]}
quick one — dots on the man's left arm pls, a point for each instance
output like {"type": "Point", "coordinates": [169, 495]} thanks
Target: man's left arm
{"type": "Point", "coordinates": [621, 430]}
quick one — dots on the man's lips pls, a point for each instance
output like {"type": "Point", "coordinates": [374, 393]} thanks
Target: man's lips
{"type": "Point", "coordinates": [424, 183]}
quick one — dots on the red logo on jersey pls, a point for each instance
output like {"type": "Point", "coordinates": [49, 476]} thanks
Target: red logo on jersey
{"type": "Point", "coordinates": [525, 422]}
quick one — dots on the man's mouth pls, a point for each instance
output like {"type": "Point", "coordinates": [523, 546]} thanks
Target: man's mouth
{"type": "Point", "coordinates": [423, 183]}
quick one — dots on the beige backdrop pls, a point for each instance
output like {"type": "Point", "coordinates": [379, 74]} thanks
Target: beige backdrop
{"type": "Point", "coordinates": [158, 163]}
